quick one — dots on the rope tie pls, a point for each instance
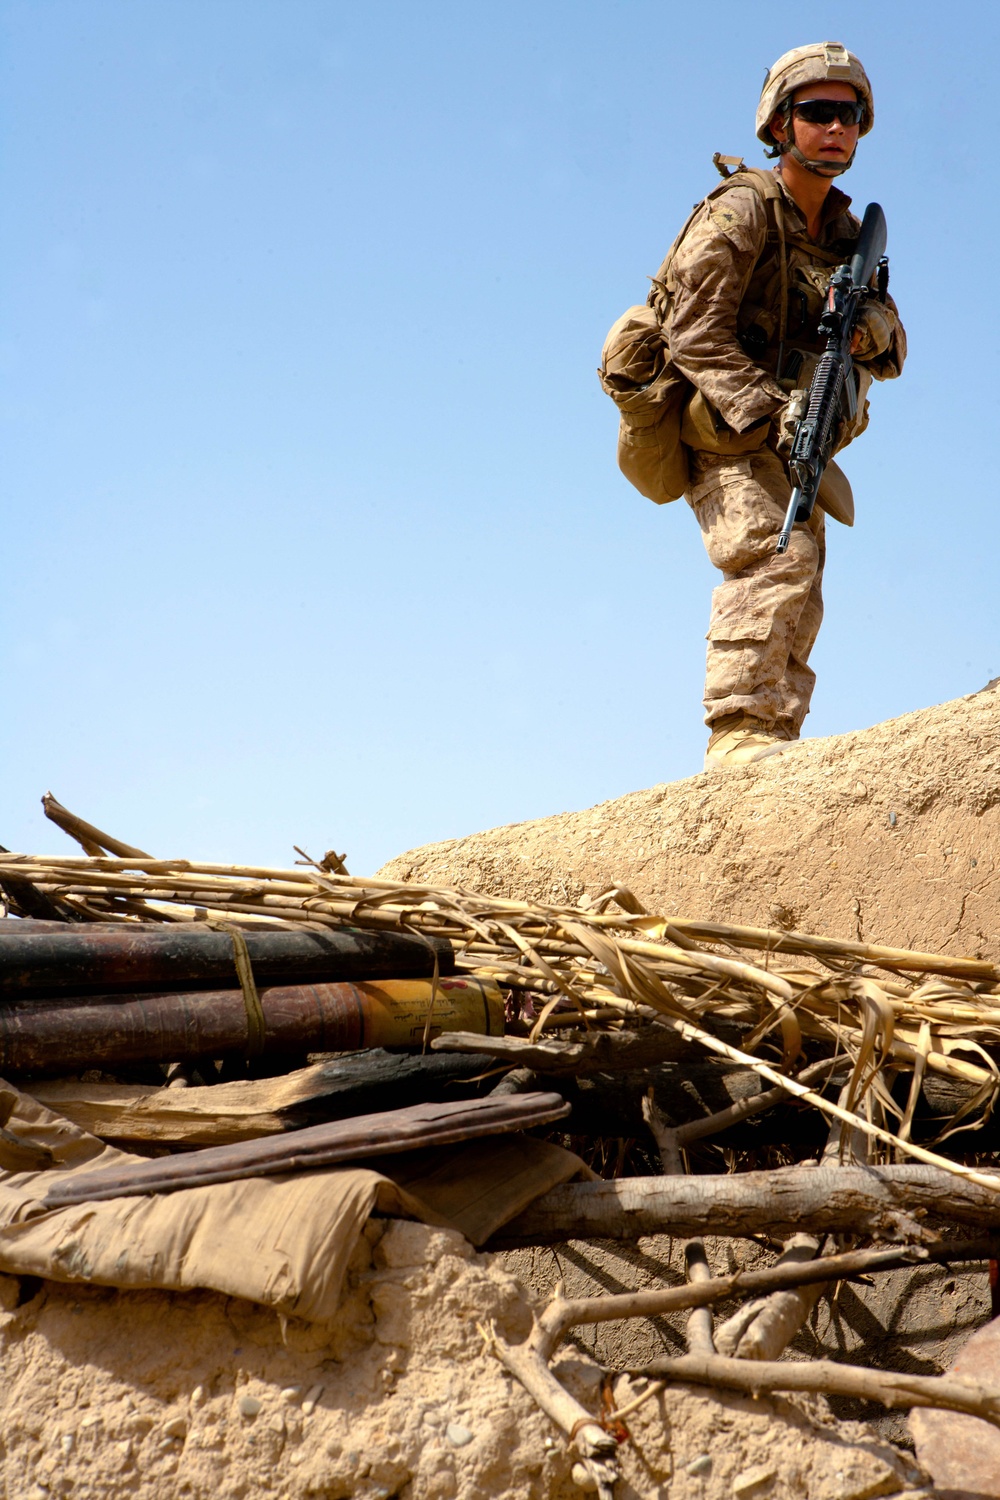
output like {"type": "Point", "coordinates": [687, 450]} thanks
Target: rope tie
{"type": "Point", "coordinates": [256, 1025]}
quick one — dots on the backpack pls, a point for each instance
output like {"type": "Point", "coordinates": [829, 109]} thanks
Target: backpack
{"type": "Point", "coordinates": [650, 394]}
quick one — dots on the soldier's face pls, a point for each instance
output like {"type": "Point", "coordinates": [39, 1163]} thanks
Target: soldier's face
{"type": "Point", "coordinates": [835, 142]}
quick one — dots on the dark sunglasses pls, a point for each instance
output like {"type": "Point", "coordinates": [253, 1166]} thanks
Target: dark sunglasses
{"type": "Point", "coordinates": [825, 111]}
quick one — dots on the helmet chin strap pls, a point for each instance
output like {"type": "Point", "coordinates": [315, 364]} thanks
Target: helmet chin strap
{"type": "Point", "coordinates": [819, 168]}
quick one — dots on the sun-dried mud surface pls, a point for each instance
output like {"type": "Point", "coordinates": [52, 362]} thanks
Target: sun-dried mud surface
{"type": "Point", "coordinates": [155, 1396]}
{"type": "Point", "coordinates": [891, 834]}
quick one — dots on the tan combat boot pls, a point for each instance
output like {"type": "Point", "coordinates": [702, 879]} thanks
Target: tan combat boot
{"type": "Point", "coordinates": [740, 739]}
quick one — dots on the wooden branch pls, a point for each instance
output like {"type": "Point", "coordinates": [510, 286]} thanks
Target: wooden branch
{"type": "Point", "coordinates": [763, 1328]}
{"type": "Point", "coordinates": [744, 1109]}
{"type": "Point", "coordinates": [612, 1053]}
{"type": "Point", "coordinates": [700, 1325]}
{"type": "Point", "coordinates": [609, 1104]}
{"type": "Point", "coordinates": [891, 1388]}
{"type": "Point", "coordinates": [585, 1432]}
{"type": "Point", "coordinates": [529, 1361]}
{"type": "Point", "coordinates": [562, 1314]}
{"type": "Point", "coordinates": [664, 1136]}
{"type": "Point", "coordinates": [600, 1052]}
{"type": "Point", "coordinates": [827, 1107]}
{"type": "Point", "coordinates": [878, 1201]}
{"type": "Point", "coordinates": [702, 1096]}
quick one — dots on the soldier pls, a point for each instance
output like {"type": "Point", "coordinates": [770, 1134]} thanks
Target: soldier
{"type": "Point", "coordinates": [739, 300]}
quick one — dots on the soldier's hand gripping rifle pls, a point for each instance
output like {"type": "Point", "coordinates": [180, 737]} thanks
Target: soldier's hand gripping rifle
{"type": "Point", "coordinates": [833, 387]}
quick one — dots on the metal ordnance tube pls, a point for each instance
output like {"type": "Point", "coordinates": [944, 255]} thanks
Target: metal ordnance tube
{"type": "Point", "coordinates": [38, 958]}
{"type": "Point", "coordinates": [65, 1035]}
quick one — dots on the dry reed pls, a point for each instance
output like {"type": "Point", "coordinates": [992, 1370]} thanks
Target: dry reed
{"type": "Point", "coordinates": [612, 964]}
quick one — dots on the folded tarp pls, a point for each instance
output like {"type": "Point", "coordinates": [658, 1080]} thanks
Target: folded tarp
{"type": "Point", "coordinates": [281, 1241]}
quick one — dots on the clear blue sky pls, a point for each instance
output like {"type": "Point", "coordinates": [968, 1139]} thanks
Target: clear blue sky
{"type": "Point", "coordinates": [312, 529]}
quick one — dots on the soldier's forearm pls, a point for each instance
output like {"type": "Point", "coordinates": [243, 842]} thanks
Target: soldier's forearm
{"type": "Point", "coordinates": [739, 390]}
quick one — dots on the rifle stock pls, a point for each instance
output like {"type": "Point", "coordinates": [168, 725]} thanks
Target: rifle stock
{"type": "Point", "coordinates": [871, 245]}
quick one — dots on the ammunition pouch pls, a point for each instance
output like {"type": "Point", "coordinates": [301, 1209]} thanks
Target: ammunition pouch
{"type": "Point", "coordinates": [703, 428]}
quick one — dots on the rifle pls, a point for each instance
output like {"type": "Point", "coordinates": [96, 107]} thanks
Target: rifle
{"type": "Point", "coordinates": [833, 382]}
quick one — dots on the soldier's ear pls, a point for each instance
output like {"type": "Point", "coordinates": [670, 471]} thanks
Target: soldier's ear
{"type": "Point", "coordinates": [778, 127]}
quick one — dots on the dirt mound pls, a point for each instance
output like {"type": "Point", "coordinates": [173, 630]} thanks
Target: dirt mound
{"type": "Point", "coordinates": [145, 1394]}
{"type": "Point", "coordinates": [889, 834]}
{"type": "Point", "coordinates": [151, 1396]}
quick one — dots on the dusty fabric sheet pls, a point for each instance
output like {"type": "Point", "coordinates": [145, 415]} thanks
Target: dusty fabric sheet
{"type": "Point", "coordinates": [282, 1241]}
{"type": "Point", "coordinates": [474, 1187]}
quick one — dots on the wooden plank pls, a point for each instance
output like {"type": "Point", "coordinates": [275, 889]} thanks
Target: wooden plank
{"type": "Point", "coordinates": [318, 1146]}
{"type": "Point", "coordinates": [249, 1108]}
{"type": "Point", "coordinates": [599, 1053]}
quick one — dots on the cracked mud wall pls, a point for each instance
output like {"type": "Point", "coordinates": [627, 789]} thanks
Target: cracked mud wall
{"type": "Point", "coordinates": [890, 834]}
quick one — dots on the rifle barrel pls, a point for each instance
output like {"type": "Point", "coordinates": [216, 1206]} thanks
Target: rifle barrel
{"type": "Point", "coordinates": [786, 530]}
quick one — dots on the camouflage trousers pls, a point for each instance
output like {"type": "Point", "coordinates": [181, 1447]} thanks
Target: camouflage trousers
{"type": "Point", "coordinates": [767, 611]}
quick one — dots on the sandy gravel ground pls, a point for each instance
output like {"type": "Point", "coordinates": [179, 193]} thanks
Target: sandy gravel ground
{"type": "Point", "coordinates": [152, 1396]}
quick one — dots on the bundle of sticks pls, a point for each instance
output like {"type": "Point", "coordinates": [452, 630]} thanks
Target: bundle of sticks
{"type": "Point", "coordinates": [892, 1052]}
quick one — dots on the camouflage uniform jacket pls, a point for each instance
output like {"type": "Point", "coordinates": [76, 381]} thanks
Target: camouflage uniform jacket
{"type": "Point", "coordinates": [718, 297]}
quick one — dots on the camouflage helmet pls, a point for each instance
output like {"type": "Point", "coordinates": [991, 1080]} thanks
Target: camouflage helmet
{"type": "Point", "coordinates": [819, 62]}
